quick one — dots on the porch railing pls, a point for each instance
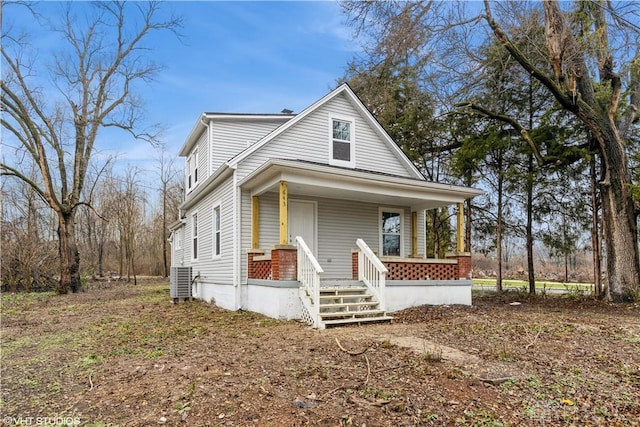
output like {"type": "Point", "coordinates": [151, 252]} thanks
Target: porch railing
{"type": "Point", "coordinates": [309, 271]}
{"type": "Point", "coordinates": [371, 271]}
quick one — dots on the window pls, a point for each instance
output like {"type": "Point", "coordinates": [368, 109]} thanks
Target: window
{"type": "Point", "coordinates": [342, 148]}
{"type": "Point", "coordinates": [391, 232]}
{"type": "Point", "coordinates": [192, 170]}
{"type": "Point", "coordinates": [194, 232]}
{"type": "Point", "coordinates": [216, 231]}
{"type": "Point", "coordinates": [177, 239]}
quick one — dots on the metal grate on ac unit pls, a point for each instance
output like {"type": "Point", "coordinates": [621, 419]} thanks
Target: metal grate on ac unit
{"type": "Point", "coordinates": [180, 283]}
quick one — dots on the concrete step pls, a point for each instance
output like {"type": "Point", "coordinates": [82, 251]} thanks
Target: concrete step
{"type": "Point", "coordinates": [339, 322]}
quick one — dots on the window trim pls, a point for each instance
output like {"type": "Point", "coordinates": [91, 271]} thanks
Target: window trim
{"type": "Point", "coordinates": [194, 237]}
{"type": "Point", "coordinates": [216, 235]}
{"type": "Point", "coordinates": [399, 211]}
{"type": "Point", "coordinates": [352, 142]}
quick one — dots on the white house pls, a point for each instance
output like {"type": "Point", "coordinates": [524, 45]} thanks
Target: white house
{"type": "Point", "coordinates": [317, 216]}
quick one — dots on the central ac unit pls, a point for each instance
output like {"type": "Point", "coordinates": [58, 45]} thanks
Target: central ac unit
{"type": "Point", "coordinates": [180, 283]}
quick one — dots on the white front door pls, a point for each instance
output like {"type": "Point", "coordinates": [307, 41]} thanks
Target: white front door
{"type": "Point", "coordinates": [302, 222]}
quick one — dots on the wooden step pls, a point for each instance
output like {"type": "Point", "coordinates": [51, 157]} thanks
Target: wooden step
{"type": "Point", "coordinates": [338, 322]}
{"type": "Point", "coordinates": [328, 299]}
{"type": "Point", "coordinates": [352, 314]}
{"type": "Point", "coordinates": [348, 305]}
{"type": "Point", "coordinates": [342, 290]}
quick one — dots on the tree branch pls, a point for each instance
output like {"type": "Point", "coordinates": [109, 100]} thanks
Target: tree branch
{"type": "Point", "coordinates": [510, 121]}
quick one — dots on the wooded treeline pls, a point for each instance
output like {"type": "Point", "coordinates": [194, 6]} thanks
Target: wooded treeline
{"type": "Point", "coordinates": [121, 235]}
{"type": "Point", "coordinates": [534, 102]}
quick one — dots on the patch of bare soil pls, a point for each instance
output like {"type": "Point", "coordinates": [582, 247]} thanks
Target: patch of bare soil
{"type": "Point", "coordinates": [127, 356]}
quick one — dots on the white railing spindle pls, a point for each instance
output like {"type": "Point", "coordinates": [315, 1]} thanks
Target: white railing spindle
{"type": "Point", "coordinates": [309, 271]}
{"type": "Point", "coordinates": [371, 271]}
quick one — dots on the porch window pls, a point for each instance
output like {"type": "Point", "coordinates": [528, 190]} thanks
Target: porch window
{"type": "Point", "coordinates": [192, 170]}
{"type": "Point", "coordinates": [391, 232]}
{"type": "Point", "coordinates": [216, 231]}
{"type": "Point", "coordinates": [342, 148]}
{"type": "Point", "coordinates": [194, 232]}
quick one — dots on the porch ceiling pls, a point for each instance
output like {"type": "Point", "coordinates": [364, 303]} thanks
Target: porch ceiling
{"type": "Point", "coordinates": [318, 180]}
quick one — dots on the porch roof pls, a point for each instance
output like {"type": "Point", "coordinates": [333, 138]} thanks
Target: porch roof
{"type": "Point", "coordinates": [320, 180]}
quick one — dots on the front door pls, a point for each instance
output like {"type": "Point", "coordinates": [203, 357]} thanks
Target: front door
{"type": "Point", "coordinates": [302, 222]}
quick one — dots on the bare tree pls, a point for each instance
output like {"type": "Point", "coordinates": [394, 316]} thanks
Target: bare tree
{"type": "Point", "coordinates": [169, 178]}
{"type": "Point", "coordinates": [130, 218]}
{"type": "Point", "coordinates": [93, 78]}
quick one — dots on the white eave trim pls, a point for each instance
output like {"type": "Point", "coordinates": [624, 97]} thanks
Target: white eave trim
{"type": "Point", "coordinates": [205, 187]}
{"type": "Point", "coordinates": [353, 180]}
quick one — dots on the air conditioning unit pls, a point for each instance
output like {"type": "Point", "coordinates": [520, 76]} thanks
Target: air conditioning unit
{"type": "Point", "coordinates": [180, 283]}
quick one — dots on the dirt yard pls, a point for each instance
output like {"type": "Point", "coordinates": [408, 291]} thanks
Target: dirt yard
{"type": "Point", "coordinates": [127, 356]}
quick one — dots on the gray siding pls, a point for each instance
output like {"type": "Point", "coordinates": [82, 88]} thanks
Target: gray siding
{"type": "Point", "coordinates": [309, 140]}
{"type": "Point", "coordinates": [217, 270]}
{"type": "Point", "coordinates": [177, 248]}
{"type": "Point", "coordinates": [231, 137]}
{"type": "Point", "coordinates": [340, 224]}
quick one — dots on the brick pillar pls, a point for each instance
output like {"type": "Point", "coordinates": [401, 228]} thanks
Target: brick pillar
{"type": "Point", "coordinates": [354, 264]}
{"type": "Point", "coordinates": [284, 262]}
{"type": "Point", "coordinates": [251, 268]}
{"type": "Point", "coordinates": [464, 264]}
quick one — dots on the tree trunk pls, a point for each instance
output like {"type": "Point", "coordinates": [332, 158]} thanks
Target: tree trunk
{"type": "Point", "coordinates": [618, 213]}
{"type": "Point", "coordinates": [529, 226]}
{"type": "Point", "coordinates": [499, 225]}
{"type": "Point", "coordinates": [595, 232]}
{"type": "Point", "coordinates": [619, 221]}
{"type": "Point", "coordinates": [69, 255]}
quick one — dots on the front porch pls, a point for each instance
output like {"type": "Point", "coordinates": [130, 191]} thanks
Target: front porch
{"type": "Point", "coordinates": [289, 283]}
{"type": "Point", "coordinates": [311, 224]}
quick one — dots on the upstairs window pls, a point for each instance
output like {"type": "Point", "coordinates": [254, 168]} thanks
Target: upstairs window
{"type": "Point", "coordinates": [342, 147]}
{"type": "Point", "coordinates": [192, 170]}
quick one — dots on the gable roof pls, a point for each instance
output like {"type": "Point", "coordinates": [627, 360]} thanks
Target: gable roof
{"type": "Point", "coordinates": [357, 103]}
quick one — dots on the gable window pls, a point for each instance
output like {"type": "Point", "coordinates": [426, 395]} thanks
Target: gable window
{"type": "Point", "coordinates": [342, 147]}
{"type": "Point", "coordinates": [216, 231]}
{"type": "Point", "coordinates": [391, 232]}
{"type": "Point", "coordinates": [194, 233]}
{"type": "Point", "coordinates": [192, 170]}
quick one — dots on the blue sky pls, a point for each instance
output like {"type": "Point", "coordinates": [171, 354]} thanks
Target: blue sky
{"type": "Point", "coordinates": [240, 56]}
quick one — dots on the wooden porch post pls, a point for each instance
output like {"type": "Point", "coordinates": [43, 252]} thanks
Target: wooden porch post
{"type": "Point", "coordinates": [460, 228]}
{"type": "Point", "coordinates": [284, 212]}
{"type": "Point", "coordinates": [414, 233]}
{"type": "Point", "coordinates": [255, 222]}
